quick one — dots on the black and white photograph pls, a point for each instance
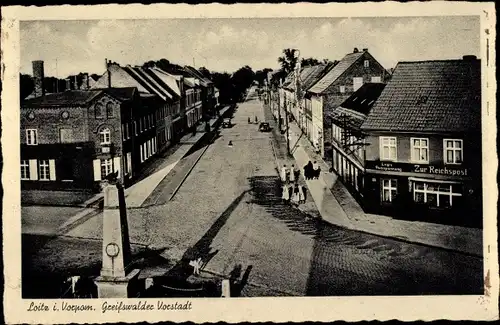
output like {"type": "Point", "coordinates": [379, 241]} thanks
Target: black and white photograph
{"type": "Point", "coordinates": [163, 160]}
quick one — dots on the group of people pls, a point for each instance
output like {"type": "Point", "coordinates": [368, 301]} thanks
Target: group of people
{"type": "Point", "coordinates": [312, 170]}
{"type": "Point", "coordinates": [292, 191]}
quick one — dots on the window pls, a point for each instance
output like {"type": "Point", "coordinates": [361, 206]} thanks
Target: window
{"type": "Point", "coordinates": [105, 136]}
{"type": "Point", "coordinates": [357, 82]}
{"type": "Point", "coordinates": [388, 148]}
{"type": "Point", "coordinates": [135, 127]}
{"type": "Point", "coordinates": [367, 63]}
{"type": "Point", "coordinates": [109, 110]}
{"type": "Point", "coordinates": [124, 136]}
{"type": "Point", "coordinates": [376, 79]}
{"type": "Point", "coordinates": [453, 151]}
{"type": "Point", "coordinates": [389, 189]}
{"type": "Point", "coordinates": [106, 167]}
{"type": "Point", "coordinates": [31, 137]}
{"type": "Point", "coordinates": [43, 170]}
{"type": "Point", "coordinates": [419, 150]}
{"type": "Point", "coordinates": [436, 194]}
{"type": "Point", "coordinates": [342, 89]}
{"type": "Point", "coordinates": [25, 169]}
{"type": "Point", "coordinates": [98, 110]}
{"type": "Point", "coordinates": [66, 135]}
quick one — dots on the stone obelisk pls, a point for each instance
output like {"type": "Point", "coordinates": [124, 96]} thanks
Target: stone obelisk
{"type": "Point", "coordinates": [116, 278]}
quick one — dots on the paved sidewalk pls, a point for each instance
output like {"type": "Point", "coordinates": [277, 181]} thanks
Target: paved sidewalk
{"type": "Point", "coordinates": [338, 207]}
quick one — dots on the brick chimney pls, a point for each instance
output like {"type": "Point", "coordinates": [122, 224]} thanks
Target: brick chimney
{"type": "Point", "coordinates": [85, 82]}
{"type": "Point", "coordinates": [355, 50]}
{"type": "Point", "coordinates": [38, 78]}
{"type": "Point", "coordinates": [365, 50]}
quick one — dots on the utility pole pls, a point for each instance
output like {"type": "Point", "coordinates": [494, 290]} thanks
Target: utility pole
{"type": "Point", "coordinates": [287, 134]}
{"type": "Point", "coordinates": [279, 107]}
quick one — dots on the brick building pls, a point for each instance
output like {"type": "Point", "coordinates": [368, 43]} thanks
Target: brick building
{"type": "Point", "coordinates": [424, 136]}
{"type": "Point", "coordinates": [336, 86]}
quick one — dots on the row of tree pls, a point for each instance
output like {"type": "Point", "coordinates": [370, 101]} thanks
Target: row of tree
{"type": "Point", "coordinates": [51, 84]}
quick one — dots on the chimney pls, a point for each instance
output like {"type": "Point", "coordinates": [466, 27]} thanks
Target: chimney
{"type": "Point", "coordinates": [469, 58]}
{"type": "Point", "coordinates": [68, 84]}
{"type": "Point", "coordinates": [355, 50]}
{"type": "Point", "coordinates": [85, 82]}
{"type": "Point", "coordinates": [38, 78]}
{"type": "Point", "coordinates": [365, 50]}
{"type": "Point", "coordinates": [108, 63]}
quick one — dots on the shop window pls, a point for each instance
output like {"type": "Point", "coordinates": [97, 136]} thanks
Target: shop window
{"type": "Point", "coordinates": [419, 150]}
{"type": "Point", "coordinates": [25, 169]}
{"type": "Point", "coordinates": [436, 194]}
{"type": "Point", "coordinates": [388, 148]}
{"type": "Point", "coordinates": [389, 190]}
{"type": "Point", "coordinates": [453, 151]}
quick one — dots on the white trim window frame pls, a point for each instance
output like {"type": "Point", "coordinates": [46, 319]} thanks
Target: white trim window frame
{"type": "Point", "coordinates": [25, 169]}
{"type": "Point", "coordinates": [455, 148]}
{"type": "Point", "coordinates": [419, 150]}
{"type": "Point", "coordinates": [388, 148]}
{"type": "Point", "coordinates": [106, 167]}
{"type": "Point", "coordinates": [105, 136]}
{"type": "Point", "coordinates": [436, 190]}
{"type": "Point", "coordinates": [44, 170]}
{"type": "Point", "coordinates": [366, 63]}
{"type": "Point", "coordinates": [31, 137]}
{"type": "Point", "coordinates": [389, 186]}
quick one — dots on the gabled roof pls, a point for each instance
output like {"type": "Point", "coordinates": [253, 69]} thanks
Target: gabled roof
{"type": "Point", "coordinates": [165, 80]}
{"type": "Point", "coordinates": [78, 98]}
{"type": "Point", "coordinates": [144, 79]}
{"type": "Point", "coordinates": [205, 82]}
{"type": "Point", "coordinates": [430, 96]}
{"type": "Point", "coordinates": [336, 72]}
{"type": "Point", "coordinates": [309, 76]}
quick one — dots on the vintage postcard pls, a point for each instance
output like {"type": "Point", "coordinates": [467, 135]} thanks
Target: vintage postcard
{"type": "Point", "coordinates": [207, 163]}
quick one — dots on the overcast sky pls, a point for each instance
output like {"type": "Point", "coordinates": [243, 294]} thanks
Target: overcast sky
{"type": "Point", "coordinates": [228, 44]}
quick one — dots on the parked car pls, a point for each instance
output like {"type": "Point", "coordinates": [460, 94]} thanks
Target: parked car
{"type": "Point", "coordinates": [264, 127]}
{"type": "Point", "coordinates": [226, 123]}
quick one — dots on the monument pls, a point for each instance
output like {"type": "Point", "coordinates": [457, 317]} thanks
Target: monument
{"type": "Point", "coordinates": [116, 279]}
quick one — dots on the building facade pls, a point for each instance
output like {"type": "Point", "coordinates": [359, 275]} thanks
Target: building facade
{"type": "Point", "coordinates": [335, 87]}
{"type": "Point", "coordinates": [424, 152]}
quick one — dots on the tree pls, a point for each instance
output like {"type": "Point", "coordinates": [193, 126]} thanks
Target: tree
{"type": "Point", "coordinates": [205, 72]}
{"type": "Point", "coordinates": [26, 85]}
{"type": "Point", "coordinates": [288, 60]}
{"type": "Point", "coordinates": [261, 75]}
{"type": "Point", "coordinates": [309, 62]}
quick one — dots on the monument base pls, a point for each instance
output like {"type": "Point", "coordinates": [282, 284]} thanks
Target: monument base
{"type": "Point", "coordinates": [118, 287]}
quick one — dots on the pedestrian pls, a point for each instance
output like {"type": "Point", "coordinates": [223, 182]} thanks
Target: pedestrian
{"type": "Point", "coordinates": [292, 174]}
{"type": "Point", "coordinates": [285, 195]}
{"type": "Point", "coordinates": [283, 173]}
{"type": "Point", "coordinates": [230, 143]}
{"type": "Point", "coordinates": [302, 196]}
{"type": "Point", "coordinates": [308, 170]}
{"type": "Point", "coordinates": [296, 195]}
{"type": "Point", "coordinates": [296, 173]}
{"type": "Point", "coordinates": [256, 120]}
{"type": "Point", "coordinates": [249, 122]}
{"type": "Point", "coordinates": [316, 170]}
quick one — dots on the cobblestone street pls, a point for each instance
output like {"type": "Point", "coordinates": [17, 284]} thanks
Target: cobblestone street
{"type": "Point", "coordinates": [229, 211]}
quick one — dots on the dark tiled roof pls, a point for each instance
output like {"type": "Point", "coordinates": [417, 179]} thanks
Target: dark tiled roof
{"type": "Point", "coordinates": [310, 75]}
{"type": "Point", "coordinates": [336, 72]}
{"type": "Point", "coordinates": [429, 96]}
{"type": "Point", "coordinates": [363, 99]}
{"type": "Point", "coordinates": [67, 98]}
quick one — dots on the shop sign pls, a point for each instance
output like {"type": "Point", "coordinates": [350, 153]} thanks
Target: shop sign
{"type": "Point", "coordinates": [417, 168]}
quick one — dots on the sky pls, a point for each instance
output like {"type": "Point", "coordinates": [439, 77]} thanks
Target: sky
{"type": "Point", "coordinates": [72, 46]}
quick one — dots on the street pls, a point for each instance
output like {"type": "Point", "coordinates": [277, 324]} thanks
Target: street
{"type": "Point", "coordinates": [229, 211]}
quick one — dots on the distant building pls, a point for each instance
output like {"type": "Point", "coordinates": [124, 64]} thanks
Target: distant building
{"type": "Point", "coordinates": [423, 136]}
{"type": "Point", "coordinates": [337, 85]}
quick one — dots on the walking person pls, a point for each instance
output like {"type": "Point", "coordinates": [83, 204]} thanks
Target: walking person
{"type": "Point", "coordinates": [316, 170]}
{"type": "Point", "coordinates": [283, 174]}
{"type": "Point", "coordinates": [292, 174]}
{"type": "Point", "coordinates": [285, 195]}
{"type": "Point", "coordinates": [308, 170]}
{"type": "Point", "coordinates": [296, 195]}
{"type": "Point", "coordinates": [296, 173]}
{"type": "Point", "coordinates": [302, 197]}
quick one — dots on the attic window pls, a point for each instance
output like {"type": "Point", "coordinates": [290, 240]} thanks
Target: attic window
{"type": "Point", "coordinates": [367, 63]}
{"type": "Point", "coordinates": [422, 100]}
